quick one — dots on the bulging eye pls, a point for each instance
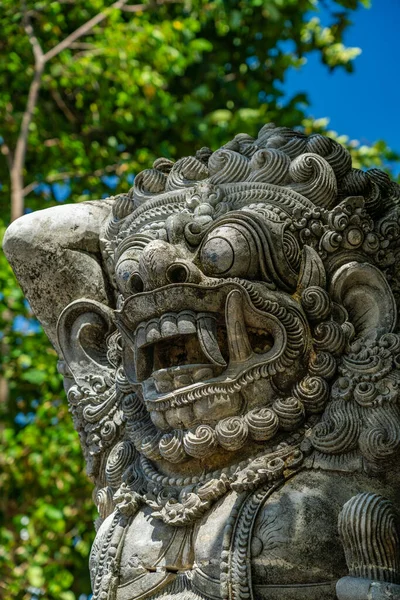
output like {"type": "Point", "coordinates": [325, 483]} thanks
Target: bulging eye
{"type": "Point", "coordinates": [128, 279]}
{"type": "Point", "coordinates": [229, 250]}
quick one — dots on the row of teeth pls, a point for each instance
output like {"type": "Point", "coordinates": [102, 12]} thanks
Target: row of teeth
{"type": "Point", "coordinates": [214, 407]}
{"type": "Point", "coordinates": [167, 380]}
{"type": "Point", "coordinates": [169, 325]}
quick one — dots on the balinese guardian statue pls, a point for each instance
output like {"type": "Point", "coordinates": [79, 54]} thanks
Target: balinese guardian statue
{"type": "Point", "coordinates": [228, 337]}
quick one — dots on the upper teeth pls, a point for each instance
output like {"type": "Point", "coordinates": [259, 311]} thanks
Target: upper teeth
{"type": "Point", "coordinates": [171, 325]}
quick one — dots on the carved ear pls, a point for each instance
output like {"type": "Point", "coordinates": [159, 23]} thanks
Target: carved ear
{"type": "Point", "coordinates": [366, 295]}
{"type": "Point", "coordinates": [82, 330]}
{"type": "Point", "coordinates": [312, 270]}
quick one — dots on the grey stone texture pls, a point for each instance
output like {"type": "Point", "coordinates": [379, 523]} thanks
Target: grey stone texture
{"type": "Point", "coordinates": [228, 335]}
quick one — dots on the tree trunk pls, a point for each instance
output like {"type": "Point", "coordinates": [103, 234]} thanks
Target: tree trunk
{"type": "Point", "coordinates": [17, 193]}
{"type": "Point", "coordinates": [18, 164]}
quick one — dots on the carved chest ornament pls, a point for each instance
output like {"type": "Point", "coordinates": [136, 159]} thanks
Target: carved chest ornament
{"type": "Point", "coordinates": [247, 337]}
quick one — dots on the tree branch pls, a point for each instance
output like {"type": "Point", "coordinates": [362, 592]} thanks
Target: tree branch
{"type": "Point", "coordinates": [82, 46]}
{"type": "Point", "coordinates": [62, 106]}
{"type": "Point", "coordinates": [134, 8]}
{"type": "Point", "coordinates": [82, 30]}
{"type": "Point", "coordinates": [41, 59]}
{"type": "Point", "coordinates": [17, 198]}
{"type": "Point", "coordinates": [17, 168]}
{"type": "Point", "coordinates": [36, 47]}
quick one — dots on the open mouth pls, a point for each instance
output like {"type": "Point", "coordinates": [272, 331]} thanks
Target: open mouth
{"type": "Point", "coordinates": [178, 351]}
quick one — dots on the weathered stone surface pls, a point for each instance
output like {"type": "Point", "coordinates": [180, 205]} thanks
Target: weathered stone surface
{"type": "Point", "coordinates": [228, 334]}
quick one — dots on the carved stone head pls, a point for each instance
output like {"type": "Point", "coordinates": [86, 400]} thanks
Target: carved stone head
{"type": "Point", "coordinates": [236, 303]}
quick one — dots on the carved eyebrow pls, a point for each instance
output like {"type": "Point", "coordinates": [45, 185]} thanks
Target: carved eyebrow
{"type": "Point", "coordinates": [138, 241]}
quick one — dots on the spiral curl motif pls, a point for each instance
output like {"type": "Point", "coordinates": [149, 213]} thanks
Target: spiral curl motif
{"type": "Point", "coordinates": [232, 432]}
{"type": "Point", "coordinates": [148, 183]}
{"type": "Point", "coordinates": [132, 406]}
{"type": "Point", "coordinates": [290, 412]}
{"type": "Point", "coordinates": [104, 502]}
{"type": "Point", "coordinates": [163, 164]}
{"type": "Point", "coordinates": [121, 380]}
{"type": "Point", "coordinates": [137, 430]}
{"type": "Point", "coordinates": [227, 166]}
{"type": "Point", "coordinates": [75, 395]}
{"type": "Point", "coordinates": [292, 250]}
{"type": "Point", "coordinates": [331, 241]}
{"type": "Point", "coordinates": [313, 177]}
{"type": "Point", "coordinates": [322, 364]}
{"type": "Point", "coordinates": [339, 430]}
{"type": "Point", "coordinates": [119, 459]}
{"type": "Point", "coordinates": [313, 392]}
{"type": "Point", "coordinates": [171, 447]}
{"type": "Point", "coordinates": [108, 431]}
{"type": "Point", "coordinates": [122, 206]}
{"type": "Point", "coordinates": [316, 303]}
{"type": "Point", "coordinates": [270, 166]}
{"type": "Point", "coordinates": [185, 173]}
{"type": "Point", "coordinates": [339, 158]}
{"type": "Point", "coordinates": [381, 440]}
{"type": "Point", "coordinates": [150, 446]}
{"type": "Point", "coordinates": [329, 337]}
{"type": "Point", "coordinates": [244, 144]}
{"type": "Point", "coordinates": [319, 144]}
{"type": "Point", "coordinates": [390, 341]}
{"type": "Point", "coordinates": [262, 422]}
{"type": "Point", "coordinates": [201, 442]}
{"type": "Point", "coordinates": [365, 393]}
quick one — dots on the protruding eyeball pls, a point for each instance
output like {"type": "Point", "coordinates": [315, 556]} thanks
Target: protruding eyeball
{"type": "Point", "coordinates": [229, 250]}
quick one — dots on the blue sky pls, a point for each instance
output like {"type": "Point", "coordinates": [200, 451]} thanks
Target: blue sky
{"type": "Point", "coordinates": [365, 104]}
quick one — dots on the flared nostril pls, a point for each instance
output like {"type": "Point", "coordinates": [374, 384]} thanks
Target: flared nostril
{"type": "Point", "coordinates": [178, 273]}
{"type": "Point", "coordinates": [136, 284]}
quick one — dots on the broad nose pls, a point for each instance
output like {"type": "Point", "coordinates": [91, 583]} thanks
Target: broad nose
{"type": "Point", "coordinates": [161, 264]}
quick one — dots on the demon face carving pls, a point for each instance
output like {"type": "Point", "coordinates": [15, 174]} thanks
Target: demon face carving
{"type": "Point", "coordinates": [241, 326]}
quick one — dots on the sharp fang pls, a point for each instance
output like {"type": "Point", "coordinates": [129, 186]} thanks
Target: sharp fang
{"type": "Point", "coordinates": [238, 342]}
{"type": "Point", "coordinates": [206, 331]}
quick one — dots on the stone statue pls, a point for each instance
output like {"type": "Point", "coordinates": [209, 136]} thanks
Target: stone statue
{"type": "Point", "coordinates": [228, 336]}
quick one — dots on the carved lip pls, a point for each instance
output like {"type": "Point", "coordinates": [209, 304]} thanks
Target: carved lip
{"type": "Point", "coordinates": [173, 298]}
{"type": "Point", "coordinates": [180, 350]}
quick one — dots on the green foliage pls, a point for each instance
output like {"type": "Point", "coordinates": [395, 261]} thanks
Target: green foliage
{"type": "Point", "coordinates": [163, 81]}
{"type": "Point", "coordinates": [378, 155]}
